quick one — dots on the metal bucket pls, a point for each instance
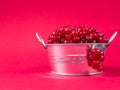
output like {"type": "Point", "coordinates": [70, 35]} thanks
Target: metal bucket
{"type": "Point", "coordinates": [70, 59]}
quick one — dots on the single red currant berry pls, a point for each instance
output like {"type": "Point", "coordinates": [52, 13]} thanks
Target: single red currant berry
{"type": "Point", "coordinates": [84, 32]}
{"type": "Point", "coordinates": [69, 37]}
{"type": "Point", "coordinates": [62, 40]}
{"type": "Point", "coordinates": [101, 58]}
{"type": "Point", "coordinates": [67, 32]}
{"type": "Point", "coordinates": [54, 38]}
{"type": "Point", "coordinates": [50, 41]}
{"type": "Point", "coordinates": [94, 66]}
{"type": "Point", "coordinates": [89, 63]}
{"type": "Point", "coordinates": [95, 36]}
{"type": "Point", "coordinates": [100, 69]}
{"type": "Point", "coordinates": [101, 35]}
{"type": "Point", "coordinates": [90, 58]}
{"type": "Point", "coordinates": [59, 33]}
{"type": "Point", "coordinates": [104, 40]}
{"type": "Point", "coordinates": [71, 41]}
{"type": "Point", "coordinates": [83, 40]}
{"type": "Point", "coordinates": [102, 53]}
{"type": "Point", "coordinates": [81, 35]}
{"type": "Point", "coordinates": [78, 29]}
{"type": "Point", "coordinates": [94, 41]}
{"type": "Point", "coordinates": [99, 39]}
{"type": "Point", "coordinates": [66, 41]}
{"type": "Point", "coordinates": [54, 33]}
{"type": "Point", "coordinates": [58, 39]}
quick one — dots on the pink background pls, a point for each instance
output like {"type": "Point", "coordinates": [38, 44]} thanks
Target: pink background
{"type": "Point", "coordinates": [23, 61]}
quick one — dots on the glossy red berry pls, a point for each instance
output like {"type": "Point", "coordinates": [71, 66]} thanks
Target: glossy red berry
{"type": "Point", "coordinates": [66, 41]}
{"type": "Point", "coordinates": [95, 36]}
{"type": "Point", "coordinates": [101, 58]}
{"type": "Point", "coordinates": [100, 68]}
{"type": "Point", "coordinates": [62, 40]}
{"type": "Point", "coordinates": [104, 40]}
{"type": "Point", "coordinates": [90, 63]}
{"type": "Point", "coordinates": [90, 58]}
{"type": "Point", "coordinates": [50, 41]}
{"type": "Point", "coordinates": [68, 37]}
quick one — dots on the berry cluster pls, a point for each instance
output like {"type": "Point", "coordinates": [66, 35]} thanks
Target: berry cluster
{"type": "Point", "coordinates": [74, 34]}
{"type": "Point", "coordinates": [95, 58]}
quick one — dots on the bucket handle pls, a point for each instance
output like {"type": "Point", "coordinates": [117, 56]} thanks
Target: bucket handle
{"type": "Point", "coordinates": [112, 37]}
{"type": "Point", "coordinates": [41, 40]}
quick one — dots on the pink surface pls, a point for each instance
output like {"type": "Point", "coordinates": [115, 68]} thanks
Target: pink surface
{"type": "Point", "coordinates": [24, 63]}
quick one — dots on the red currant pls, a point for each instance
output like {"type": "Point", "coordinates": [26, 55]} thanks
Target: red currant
{"type": "Point", "coordinates": [68, 37]}
{"type": "Point", "coordinates": [90, 58]}
{"type": "Point", "coordinates": [100, 68]}
{"type": "Point", "coordinates": [66, 41]}
{"type": "Point", "coordinates": [76, 39]}
{"type": "Point", "coordinates": [85, 33]}
{"type": "Point", "coordinates": [96, 57]}
{"type": "Point", "coordinates": [90, 63]}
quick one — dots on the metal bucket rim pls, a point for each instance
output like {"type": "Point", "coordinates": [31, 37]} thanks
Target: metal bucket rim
{"type": "Point", "coordinates": [69, 44]}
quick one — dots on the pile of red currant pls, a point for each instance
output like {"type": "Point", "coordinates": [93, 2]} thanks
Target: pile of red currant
{"type": "Point", "coordinates": [81, 34]}
{"type": "Point", "coordinates": [74, 34]}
